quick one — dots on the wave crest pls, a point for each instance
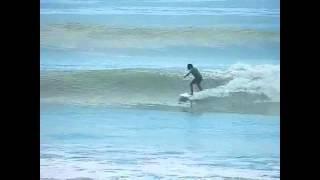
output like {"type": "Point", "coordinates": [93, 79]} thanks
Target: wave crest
{"type": "Point", "coordinates": [239, 88]}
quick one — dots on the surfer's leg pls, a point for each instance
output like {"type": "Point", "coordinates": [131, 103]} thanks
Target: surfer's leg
{"type": "Point", "coordinates": [199, 86]}
{"type": "Point", "coordinates": [191, 88]}
{"type": "Point", "coordinates": [191, 85]}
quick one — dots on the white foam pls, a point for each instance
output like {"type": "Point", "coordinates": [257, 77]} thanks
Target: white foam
{"type": "Point", "coordinates": [164, 168]}
{"type": "Point", "coordinates": [254, 79]}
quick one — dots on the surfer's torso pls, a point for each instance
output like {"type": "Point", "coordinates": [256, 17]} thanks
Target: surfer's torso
{"type": "Point", "coordinates": [196, 74]}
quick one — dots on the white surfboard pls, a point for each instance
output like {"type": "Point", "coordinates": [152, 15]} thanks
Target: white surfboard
{"type": "Point", "coordinates": [184, 97]}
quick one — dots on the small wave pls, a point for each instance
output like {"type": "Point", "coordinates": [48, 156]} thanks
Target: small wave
{"type": "Point", "coordinates": [239, 88]}
{"type": "Point", "coordinates": [76, 36]}
{"type": "Point", "coordinates": [152, 10]}
{"type": "Point", "coordinates": [70, 2]}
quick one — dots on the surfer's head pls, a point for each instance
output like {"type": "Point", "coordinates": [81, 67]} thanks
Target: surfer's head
{"type": "Point", "coordinates": [190, 66]}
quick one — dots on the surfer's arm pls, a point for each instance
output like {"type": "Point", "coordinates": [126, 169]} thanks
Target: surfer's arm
{"type": "Point", "coordinates": [187, 74]}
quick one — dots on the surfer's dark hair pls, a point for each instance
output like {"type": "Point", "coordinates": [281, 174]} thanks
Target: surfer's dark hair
{"type": "Point", "coordinates": [190, 66]}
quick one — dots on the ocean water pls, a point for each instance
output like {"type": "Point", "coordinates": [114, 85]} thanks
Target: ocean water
{"type": "Point", "coordinates": [112, 72]}
{"type": "Point", "coordinates": [128, 143]}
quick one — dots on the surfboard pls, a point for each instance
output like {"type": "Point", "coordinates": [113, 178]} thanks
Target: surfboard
{"type": "Point", "coordinates": [198, 95]}
{"type": "Point", "coordinates": [185, 97]}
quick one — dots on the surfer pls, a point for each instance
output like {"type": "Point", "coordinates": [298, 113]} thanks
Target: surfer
{"type": "Point", "coordinates": [197, 77]}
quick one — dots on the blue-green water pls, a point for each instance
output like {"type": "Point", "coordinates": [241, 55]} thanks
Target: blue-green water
{"type": "Point", "coordinates": [105, 143]}
{"type": "Point", "coordinates": [158, 33]}
{"type": "Point", "coordinates": [112, 72]}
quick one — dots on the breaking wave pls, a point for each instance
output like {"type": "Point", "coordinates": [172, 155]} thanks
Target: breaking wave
{"type": "Point", "coordinates": [239, 88]}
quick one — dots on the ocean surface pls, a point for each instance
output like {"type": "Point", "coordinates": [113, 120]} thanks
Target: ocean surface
{"type": "Point", "coordinates": [125, 143]}
{"type": "Point", "coordinates": [112, 72]}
